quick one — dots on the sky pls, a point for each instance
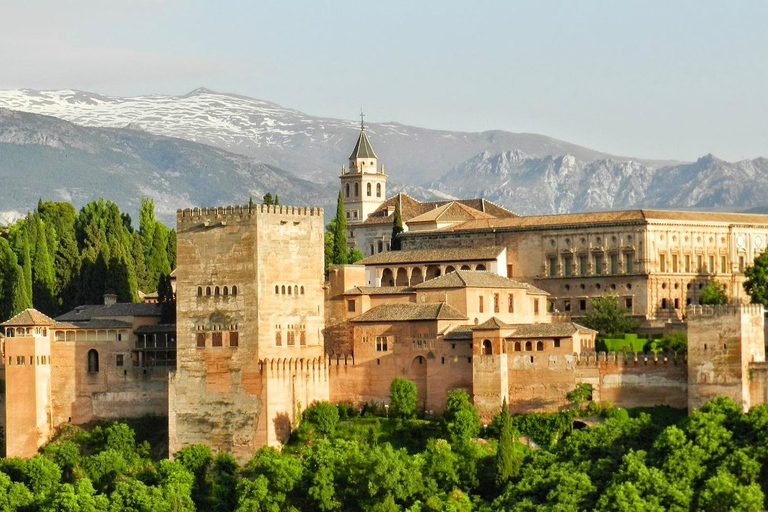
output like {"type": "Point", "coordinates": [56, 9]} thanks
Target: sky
{"type": "Point", "coordinates": [651, 79]}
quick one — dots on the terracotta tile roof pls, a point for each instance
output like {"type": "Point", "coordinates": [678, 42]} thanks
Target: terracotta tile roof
{"type": "Point", "coordinates": [411, 208]}
{"type": "Point", "coordinates": [29, 317]}
{"type": "Point", "coordinates": [408, 311]}
{"type": "Point", "coordinates": [460, 332]}
{"type": "Point", "coordinates": [545, 330]}
{"type": "Point", "coordinates": [434, 255]}
{"type": "Point", "coordinates": [609, 217]}
{"type": "Point", "coordinates": [451, 212]}
{"type": "Point", "coordinates": [156, 328]}
{"type": "Point", "coordinates": [492, 324]}
{"type": "Point", "coordinates": [84, 313]}
{"type": "Point", "coordinates": [379, 290]}
{"type": "Point", "coordinates": [93, 324]}
{"type": "Point", "coordinates": [476, 279]}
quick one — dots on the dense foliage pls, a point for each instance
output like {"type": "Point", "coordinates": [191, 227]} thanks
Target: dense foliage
{"type": "Point", "coordinates": [756, 283]}
{"type": "Point", "coordinates": [608, 317]}
{"type": "Point", "coordinates": [55, 258]}
{"type": "Point", "coordinates": [336, 250]}
{"type": "Point", "coordinates": [657, 459]}
{"type": "Point", "coordinates": [397, 229]}
{"type": "Point", "coordinates": [713, 294]}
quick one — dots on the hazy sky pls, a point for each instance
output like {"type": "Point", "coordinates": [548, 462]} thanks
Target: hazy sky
{"type": "Point", "coordinates": [672, 80]}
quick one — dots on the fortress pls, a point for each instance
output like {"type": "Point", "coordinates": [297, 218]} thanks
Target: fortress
{"type": "Point", "coordinates": [479, 298]}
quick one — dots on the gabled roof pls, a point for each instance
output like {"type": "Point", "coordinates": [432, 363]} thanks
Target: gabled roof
{"type": "Point", "coordinates": [476, 279]}
{"type": "Point", "coordinates": [408, 311]}
{"type": "Point", "coordinates": [93, 324]}
{"type": "Point", "coordinates": [379, 290]}
{"type": "Point", "coordinates": [557, 329]}
{"type": "Point", "coordinates": [85, 313]}
{"type": "Point", "coordinates": [492, 324]}
{"type": "Point", "coordinates": [363, 148]}
{"type": "Point", "coordinates": [451, 212]}
{"type": "Point", "coordinates": [434, 255]}
{"type": "Point", "coordinates": [460, 332]}
{"type": "Point", "coordinates": [411, 208]}
{"type": "Point", "coordinates": [29, 317]}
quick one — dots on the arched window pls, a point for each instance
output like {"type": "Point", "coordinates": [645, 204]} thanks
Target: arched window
{"type": "Point", "coordinates": [278, 339]}
{"type": "Point", "coordinates": [234, 290]}
{"type": "Point", "coordinates": [480, 267]}
{"type": "Point", "coordinates": [207, 291]}
{"type": "Point", "coordinates": [517, 346]}
{"type": "Point", "coordinates": [289, 290]}
{"type": "Point", "coordinates": [277, 289]}
{"type": "Point", "coordinates": [487, 347]}
{"type": "Point", "coordinates": [282, 290]}
{"type": "Point", "coordinates": [368, 189]}
{"type": "Point", "coordinates": [346, 189]}
{"type": "Point", "coordinates": [539, 345]}
{"type": "Point", "coordinates": [302, 290]}
{"type": "Point", "coordinates": [378, 190]}
{"type": "Point", "coordinates": [216, 291]}
{"type": "Point", "coordinates": [357, 190]}
{"type": "Point", "coordinates": [295, 290]}
{"type": "Point", "coordinates": [528, 346]}
{"type": "Point", "coordinates": [93, 361]}
{"type": "Point", "coordinates": [199, 291]}
{"type": "Point", "coordinates": [511, 303]}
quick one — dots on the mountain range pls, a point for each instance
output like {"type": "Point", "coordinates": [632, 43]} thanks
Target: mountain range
{"type": "Point", "coordinates": [206, 148]}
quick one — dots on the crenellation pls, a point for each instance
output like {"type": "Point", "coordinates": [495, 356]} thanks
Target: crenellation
{"type": "Point", "coordinates": [240, 213]}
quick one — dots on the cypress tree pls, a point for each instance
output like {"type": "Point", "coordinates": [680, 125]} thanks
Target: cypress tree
{"type": "Point", "coordinates": [277, 200]}
{"type": "Point", "coordinates": [340, 234]}
{"type": "Point", "coordinates": [397, 228]}
{"type": "Point", "coordinates": [508, 460]}
{"type": "Point", "coordinates": [13, 299]}
{"type": "Point", "coordinates": [147, 224]}
{"type": "Point", "coordinates": [43, 277]}
{"type": "Point", "coordinates": [157, 262]}
{"type": "Point", "coordinates": [140, 265]}
{"type": "Point", "coordinates": [26, 273]}
{"type": "Point", "coordinates": [171, 249]}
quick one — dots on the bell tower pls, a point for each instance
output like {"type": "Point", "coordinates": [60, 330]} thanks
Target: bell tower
{"type": "Point", "coordinates": [363, 184]}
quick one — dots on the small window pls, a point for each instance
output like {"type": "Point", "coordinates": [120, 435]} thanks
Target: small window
{"type": "Point", "coordinates": [487, 347]}
{"type": "Point", "coordinates": [582, 304]}
{"type": "Point", "coordinates": [557, 343]}
{"type": "Point", "coordinates": [199, 291]}
{"type": "Point", "coordinates": [200, 337]}
{"type": "Point", "coordinates": [517, 346]}
{"type": "Point", "coordinates": [535, 306]}
{"type": "Point", "coordinates": [277, 289]}
{"type": "Point", "coordinates": [295, 290]}
{"type": "Point", "coordinates": [302, 290]}
{"type": "Point", "coordinates": [495, 302]}
{"type": "Point", "coordinates": [234, 339]}
{"type": "Point", "coordinates": [234, 290]}
{"type": "Point", "coordinates": [282, 290]}
{"type": "Point", "coordinates": [93, 361]}
{"type": "Point", "coordinates": [216, 339]}
{"type": "Point", "coordinates": [480, 304]}
{"type": "Point", "coordinates": [511, 303]}
{"type": "Point", "coordinates": [278, 339]}
{"type": "Point", "coordinates": [291, 338]}
{"type": "Point", "coordinates": [303, 338]}
{"type": "Point", "coordinates": [290, 291]}
{"type": "Point", "coordinates": [351, 306]}
{"type": "Point", "coordinates": [378, 190]}
{"type": "Point", "coordinates": [567, 306]}
{"type": "Point", "coordinates": [381, 343]}
{"type": "Point", "coordinates": [628, 303]}
{"type": "Point", "coordinates": [469, 359]}
{"type": "Point", "coordinates": [207, 291]}
{"type": "Point", "coordinates": [368, 189]}
{"type": "Point", "coordinates": [119, 360]}
{"type": "Point", "coordinates": [357, 190]}
{"type": "Point", "coordinates": [539, 346]}
{"type": "Point", "coordinates": [528, 346]}
{"type": "Point", "coordinates": [346, 193]}
{"type": "Point", "coordinates": [226, 290]}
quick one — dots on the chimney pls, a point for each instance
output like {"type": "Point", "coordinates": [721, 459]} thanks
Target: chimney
{"type": "Point", "coordinates": [110, 299]}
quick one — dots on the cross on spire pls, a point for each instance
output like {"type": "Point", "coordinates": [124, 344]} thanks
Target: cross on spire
{"type": "Point", "coordinates": [362, 120]}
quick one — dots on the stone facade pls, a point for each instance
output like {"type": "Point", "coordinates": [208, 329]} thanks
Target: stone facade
{"type": "Point", "coordinates": [249, 295]}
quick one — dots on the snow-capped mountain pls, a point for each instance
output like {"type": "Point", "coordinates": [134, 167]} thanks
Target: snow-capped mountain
{"type": "Point", "coordinates": [311, 147]}
{"type": "Point", "coordinates": [561, 184]}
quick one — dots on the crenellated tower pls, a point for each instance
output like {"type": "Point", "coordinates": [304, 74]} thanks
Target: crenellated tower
{"type": "Point", "coordinates": [363, 184]}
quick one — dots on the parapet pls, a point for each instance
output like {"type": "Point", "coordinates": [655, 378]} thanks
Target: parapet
{"type": "Point", "coordinates": [709, 311]}
{"type": "Point", "coordinates": [590, 358]}
{"type": "Point", "coordinates": [240, 213]}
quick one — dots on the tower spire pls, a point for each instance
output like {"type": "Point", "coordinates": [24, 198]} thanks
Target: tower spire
{"type": "Point", "coordinates": [362, 120]}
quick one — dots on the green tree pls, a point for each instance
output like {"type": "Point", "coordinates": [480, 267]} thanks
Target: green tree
{"type": "Point", "coordinates": [463, 428]}
{"type": "Point", "coordinates": [397, 228]}
{"type": "Point", "coordinates": [147, 224]}
{"type": "Point", "coordinates": [713, 294]}
{"type": "Point", "coordinates": [324, 415]}
{"type": "Point", "coordinates": [43, 276]}
{"type": "Point", "coordinates": [674, 341]}
{"type": "Point", "coordinates": [608, 317]}
{"type": "Point", "coordinates": [157, 262]}
{"type": "Point", "coordinates": [403, 398]}
{"type": "Point", "coordinates": [508, 459]}
{"type": "Point", "coordinates": [171, 249]}
{"type": "Point", "coordinates": [339, 234]}
{"type": "Point", "coordinates": [354, 255]}
{"type": "Point", "coordinates": [756, 282]}
{"type": "Point", "coordinates": [458, 400]}
{"type": "Point", "coordinates": [277, 200]}
{"type": "Point", "coordinates": [267, 199]}
{"type": "Point", "coordinates": [581, 394]}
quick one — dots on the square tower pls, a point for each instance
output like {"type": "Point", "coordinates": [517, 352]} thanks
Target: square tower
{"type": "Point", "coordinates": [250, 313]}
{"type": "Point", "coordinates": [364, 184]}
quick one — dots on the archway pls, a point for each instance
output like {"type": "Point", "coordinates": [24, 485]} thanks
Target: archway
{"type": "Point", "coordinates": [433, 271]}
{"type": "Point", "coordinates": [416, 276]}
{"type": "Point", "coordinates": [465, 267]}
{"type": "Point", "coordinates": [487, 348]}
{"type": "Point", "coordinates": [449, 269]}
{"type": "Point", "coordinates": [402, 277]}
{"type": "Point", "coordinates": [480, 267]}
{"type": "Point", "coordinates": [387, 279]}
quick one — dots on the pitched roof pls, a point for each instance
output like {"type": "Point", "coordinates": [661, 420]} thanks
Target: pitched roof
{"type": "Point", "coordinates": [411, 208]}
{"type": "Point", "coordinates": [434, 255]}
{"type": "Point", "coordinates": [492, 324]}
{"type": "Point", "coordinates": [84, 313]}
{"type": "Point", "coordinates": [363, 147]}
{"type": "Point", "coordinates": [93, 324]}
{"type": "Point", "coordinates": [545, 330]}
{"type": "Point", "coordinates": [379, 290]}
{"type": "Point", "coordinates": [476, 279]}
{"type": "Point", "coordinates": [460, 332]}
{"type": "Point", "coordinates": [29, 317]}
{"type": "Point", "coordinates": [155, 328]}
{"type": "Point", "coordinates": [608, 217]}
{"type": "Point", "coordinates": [451, 212]}
{"type": "Point", "coordinates": [408, 311]}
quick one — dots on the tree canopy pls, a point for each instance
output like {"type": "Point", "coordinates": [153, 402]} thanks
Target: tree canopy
{"type": "Point", "coordinates": [713, 294]}
{"type": "Point", "coordinates": [608, 317]}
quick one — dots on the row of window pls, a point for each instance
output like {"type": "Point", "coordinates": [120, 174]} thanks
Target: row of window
{"type": "Point", "coordinates": [216, 291]}
{"type": "Point", "coordinates": [580, 265]}
{"type": "Point", "coordinates": [496, 303]}
{"type": "Point", "coordinates": [289, 290]}
{"type": "Point", "coordinates": [581, 305]}
{"type": "Point", "coordinates": [22, 360]}
{"type": "Point", "coordinates": [217, 339]}
{"type": "Point", "coordinates": [12, 332]}
{"type": "Point", "coordinates": [687, 262]}
{"type": "Point", "coordinates": [290, 337]}
{"type": "Point", "coordinates": [356, 189]}
{"type": "Point", "coordinates": [90, 335]}
{"type": "Point", "coordinates": [162, 340]}
{"type": "Point", "coordinates": [217, 327]}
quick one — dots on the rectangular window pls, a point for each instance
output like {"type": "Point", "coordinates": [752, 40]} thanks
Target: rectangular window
{"type": "Point", "coordinates": [552, 267]}
{"type": "Point", "coordinates": [495, 302]}
{"type": "Point", "coordinates": [511, 301]}
{"type": "Point", "coordinates": [510, 271]}
{"type": "Point", "coordinates": [662, 262]}
{"type": "Point", "coordinates": [677, 303]}
{"type": "Point", "coordinates": [351, 306]}
{"type": "Point", "coordinates": [20, 360]}
{"type": "Point", "coordinates": [675, 263]}
{"type": "Point", "coordinates": [419, 344]}
{"type": "Point", "coordinates": [699, 263]}
{"type": "Point", "coordinates": [629, 263]}
{"type": "Point", "coordinates": [687, 263]}
{"type": "Point", "coordinates": [480, 303]}
{"type": "Point", "coordinates": [628, 303]}
{"type": "Point", "coordinates": [291, 338]}
{"type": "Point", "coordinates": [614, 263]}
{"type": "Point", "coordinates": [567, 306]}
{"type": "Point", "coordinates": [216, 339]}
{"type": "Point", "coordinates": [557, 343]}
{"type": "Point", "coordinates": [119, 360]}
{"type": "Point", "coordinates": [582, 304]}
{"type": "Point", "coordinates": [598, 264]}
{"type": "Point", "coordinates": [711, 265]}
{"type": "Point", "coordinates": [568, 266]}
{"type": "Point", "coordinates": [303, 338]}
{"type": "Point", "coordinates": [200, 339]}
{"type": "Point", "coordinates": [741, 263]}
{"type": "Point", "coordinates": [381, 343]}
{"type": "Point", "coordinates": [234, 338]}
{"type": "Point", "coordinates": [723, 264]}
{"type": "Point", "coordinates": [535, 306]}
{"type": "Point", "coordinates": [278, 339]}
{"type": "Point", "coordinates": [583, 264]}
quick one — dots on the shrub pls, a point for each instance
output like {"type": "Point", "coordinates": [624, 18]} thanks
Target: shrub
{"type": "Point", "coordinates": [403, 398]}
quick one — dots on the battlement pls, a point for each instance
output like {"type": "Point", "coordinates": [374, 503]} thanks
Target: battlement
{"type": "Point", "coordinates": [241, 213]}
{"type": "Point", "coordinates": [590, 358]}
{"type": "Point", "coordinates": [710, 311]}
